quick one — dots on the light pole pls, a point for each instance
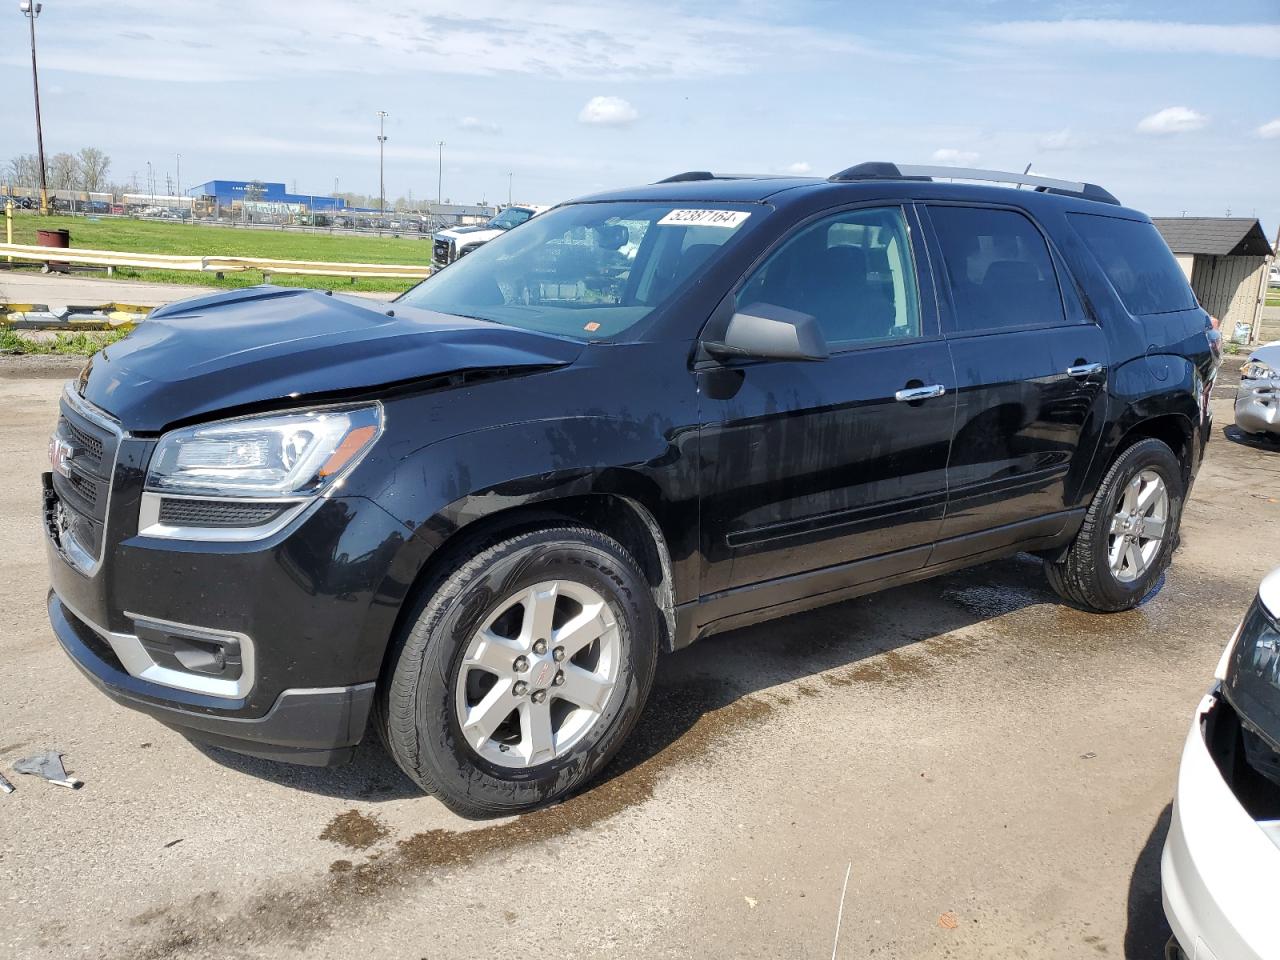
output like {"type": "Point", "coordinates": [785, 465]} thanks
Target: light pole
{"type": "Point", "coordinates": [179, 175]}
{"type": "Point", "coordinates": [151, 185]}
{"type": "Point", "coordinates": [509, 176]}
{"type": "Point", "coordinates": [382, 191]}
{"type": "Point", "coordinates": [440, 174]}
{"type": "Point", "coordinates": [31, 11]}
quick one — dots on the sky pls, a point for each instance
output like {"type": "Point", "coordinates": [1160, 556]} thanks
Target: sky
{"type": "Point", "coordinates": [1172, 106]}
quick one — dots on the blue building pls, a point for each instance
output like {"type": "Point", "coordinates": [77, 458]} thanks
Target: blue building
{"type": "Point", "coordinates": [227, 192]}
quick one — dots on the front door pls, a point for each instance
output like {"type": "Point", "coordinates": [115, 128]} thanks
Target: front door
{"type": "Point", "coordinates": [1031, 369]}
{"type": "Point", "coordinates": [823, 474]}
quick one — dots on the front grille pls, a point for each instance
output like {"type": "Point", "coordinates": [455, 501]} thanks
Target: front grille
{"type": "Point", "coordinates": [88, 489]}
{"type": "Point", "coordinates": [82, 476]}
{"type": "Point", "coordinates": [217, 513]}
{"type": "Point", "coordinates": [442, 251]}
{"type": "Point", "coordinates": [90, 445]}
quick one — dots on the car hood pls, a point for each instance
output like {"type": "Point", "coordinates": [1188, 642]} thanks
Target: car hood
{"type": "Point", "coordinates": [457, 233]}
{"type": "Point", "coordinates": [1268, 353]}
{"type": "Point", "coordinates": [265, 345]}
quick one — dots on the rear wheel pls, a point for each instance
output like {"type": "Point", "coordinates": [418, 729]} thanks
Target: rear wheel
{"type": "Point", "coordinates": [525, 671]}
{"type": "Point", "coordinates": [1128, 534]}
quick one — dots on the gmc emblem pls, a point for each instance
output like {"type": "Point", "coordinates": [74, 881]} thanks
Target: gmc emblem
{"type": "Point", "coordinates": [60, 454]}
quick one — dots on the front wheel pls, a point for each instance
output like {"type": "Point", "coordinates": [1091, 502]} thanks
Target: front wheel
{"type": "Point", "coordinates": [1128, 534]}
{"type": "Point", "coordinates": [523, 674]}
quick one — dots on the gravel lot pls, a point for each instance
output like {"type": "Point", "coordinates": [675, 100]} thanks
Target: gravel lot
{"type": "Point", "coordinates": [964, 746]}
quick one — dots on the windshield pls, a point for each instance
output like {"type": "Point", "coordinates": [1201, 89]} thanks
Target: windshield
{"type": "Point", "coordinates": [588, 270]}
{"type": "Point", "coordinates": [510, 217]}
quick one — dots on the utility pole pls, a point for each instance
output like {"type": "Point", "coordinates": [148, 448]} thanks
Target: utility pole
{"type": "Point", "coordinates": [31, 11]}
{"type": "Point", "coordinates": [382, 190]}
{"type": "Point", "coordinates": [179, 175]}
{"type": "Point", "coordinates": [440, 173]}
{"type": "Point", "coordinates": [509, 176]}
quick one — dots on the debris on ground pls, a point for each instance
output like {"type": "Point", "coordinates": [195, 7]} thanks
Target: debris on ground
{"type": "Point", "coordinates": [49, 766]}
{"type": "Point", "coordinates": [5, 785]}
{"type": "Point", "coordinates": [948, 921]}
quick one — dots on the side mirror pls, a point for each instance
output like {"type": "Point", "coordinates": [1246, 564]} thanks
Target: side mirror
{"type": "Point", "coordinates": [768, 331]}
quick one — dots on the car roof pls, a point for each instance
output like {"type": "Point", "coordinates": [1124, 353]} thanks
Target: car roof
{"type": "Point", "coordinates": [748, 189]}
{"type": "Point", "coordinates": [976, 186]}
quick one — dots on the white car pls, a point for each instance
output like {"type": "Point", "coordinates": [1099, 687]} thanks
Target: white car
{"type": "Point", "coordinates": [448, 245]}
{"type": "Point", "coordinates": [1221, 865]}
{"type": "Point", "coordinates": [1258, 397]}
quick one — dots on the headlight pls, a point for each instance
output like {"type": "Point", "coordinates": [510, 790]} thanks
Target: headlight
{"type": "Point", "coordinates": [296, 454]}
{"type": "Point", "coordinates": [1252, 681]}
{"type": "Point", "coordinates": [1257, 370]}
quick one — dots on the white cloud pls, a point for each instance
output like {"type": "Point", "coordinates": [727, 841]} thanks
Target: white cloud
{"type": "Point", "coordinates": [1270, 130]}
{"type": "Point", "coordinates": [608, 111]}
{"type": "Point", "coordinates": [800, 168]}
{"type": "Point", "coordinates": [1172, 120]}
{"type": "Point", "coordinates": [476, 125]}
{"type": "Point", "coordinates": [1062, 139]}
{"type": "Point", "coordinates": [1143, 36]}
{"type": "Point", "coordinates": [951, 157]}
{"type": "Point", "coordinates": [489, 38]}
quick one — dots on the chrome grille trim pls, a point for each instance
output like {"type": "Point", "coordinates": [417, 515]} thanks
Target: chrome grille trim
{"type": "Point", "coordinates": [77, 555]}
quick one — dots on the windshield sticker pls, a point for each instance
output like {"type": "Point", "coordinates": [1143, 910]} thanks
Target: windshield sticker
{"type": "Point", "coordinates": [729, 219]}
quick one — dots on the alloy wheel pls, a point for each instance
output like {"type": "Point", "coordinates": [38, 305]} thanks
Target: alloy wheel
{"type": "Point", "coordinates": [1138, 526]}
{"type": "Point", "coordinates": [536, 676]}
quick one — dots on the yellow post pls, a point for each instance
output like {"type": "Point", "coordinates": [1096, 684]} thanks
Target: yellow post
{"type": "Point", "coordinates": [8, 224]}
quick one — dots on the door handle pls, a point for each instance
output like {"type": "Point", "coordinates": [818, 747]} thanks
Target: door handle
{"type": "Point", "coordinates": [911, 394]}
{"type": "Point", "coordinates": [1084, 370]}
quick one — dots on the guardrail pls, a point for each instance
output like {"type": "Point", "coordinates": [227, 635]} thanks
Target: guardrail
{"type": "Point", "coordinates": [211, 264]}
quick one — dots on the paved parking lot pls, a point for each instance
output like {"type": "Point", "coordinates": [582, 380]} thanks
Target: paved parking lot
{"type": "Point", "coordinates": [965, 747]}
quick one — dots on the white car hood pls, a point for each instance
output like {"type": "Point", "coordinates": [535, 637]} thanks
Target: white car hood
{"type": "Point", "coordinates": [465, 235]}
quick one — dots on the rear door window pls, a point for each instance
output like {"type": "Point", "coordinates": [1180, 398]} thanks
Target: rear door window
{"type": "Point", "coordinates": [1000, 270]}
{"type": "Point", "coordinates": [1137, 261]}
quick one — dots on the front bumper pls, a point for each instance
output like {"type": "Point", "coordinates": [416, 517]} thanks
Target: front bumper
{"type": "Point", "coordinates": [315, 726]}
{"type": "Point", "coordinates": [1258, 406]}
{"type": "Point", "coordinates": [1219, 870]}
{"type": "Point", "coordinates": [298, 622]}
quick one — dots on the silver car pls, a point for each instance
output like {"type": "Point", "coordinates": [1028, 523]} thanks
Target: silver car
{"type": "Point", "coordinates": [1258, 400]}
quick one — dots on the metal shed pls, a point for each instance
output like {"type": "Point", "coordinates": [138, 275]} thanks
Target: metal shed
{"type": "Point", "coordinates": [1225, 258]}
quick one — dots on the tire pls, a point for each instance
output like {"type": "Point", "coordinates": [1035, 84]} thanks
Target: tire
{"type": "Point", "coordinates": [432, 685]}
{"type": "Point", "coordinates": [1085, 576]}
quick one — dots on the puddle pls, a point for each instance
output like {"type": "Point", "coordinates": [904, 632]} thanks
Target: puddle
{"type": "Point", "coordinates": [988, 602]}
{"type": "Point", "coordinates": [355, 830]}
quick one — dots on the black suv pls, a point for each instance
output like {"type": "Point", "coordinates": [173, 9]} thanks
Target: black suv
{"type": "Point", "coordinates": [476, 516]}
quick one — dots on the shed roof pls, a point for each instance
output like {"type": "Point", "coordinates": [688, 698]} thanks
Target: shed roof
{"type": "Point", "coordinates": [1216, 236]}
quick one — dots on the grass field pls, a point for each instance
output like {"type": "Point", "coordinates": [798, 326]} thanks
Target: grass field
{"type": "Point", "coordinates": [1273, 298]}
{"type": "Point", "coordinates": [80, 343]}
{"type": "Point", "coordinates": [145, 236]}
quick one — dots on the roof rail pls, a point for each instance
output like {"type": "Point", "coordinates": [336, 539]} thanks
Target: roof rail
{"type": "Point", "coordinates": [691, 175]}
{"type": "Point", "coordinates": [879, 170]}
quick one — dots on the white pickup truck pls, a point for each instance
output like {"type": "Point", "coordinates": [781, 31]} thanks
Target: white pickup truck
{"type": "Point", "coordinates": [448, 245]}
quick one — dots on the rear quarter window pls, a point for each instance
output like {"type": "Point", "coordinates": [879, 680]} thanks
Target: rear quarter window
{"type": "Point", "coordinates": [1137, 261]}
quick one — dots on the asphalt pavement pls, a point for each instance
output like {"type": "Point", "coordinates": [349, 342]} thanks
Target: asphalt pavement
{"type": "Point", "coordinates": [993, 771]}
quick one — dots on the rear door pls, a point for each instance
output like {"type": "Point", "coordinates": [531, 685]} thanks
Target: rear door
{"type": "Point", "coordinates": [1031, 370]}
{"type": "Point", "coordinates": [817, 465]}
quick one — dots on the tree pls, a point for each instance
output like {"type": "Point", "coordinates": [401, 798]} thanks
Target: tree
{"type": "Point", "coordinates": [24, 171]}
{"type": "Point", "coordinates": [64, 172]}
{"type": "Point", "coordinates": [94, 165]}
